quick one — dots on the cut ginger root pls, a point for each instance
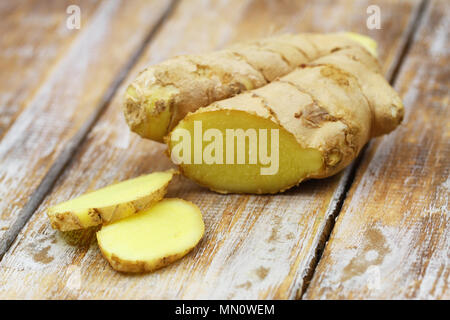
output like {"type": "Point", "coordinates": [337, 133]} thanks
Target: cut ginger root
{"type": "Point", "coordinates": [310, 123]}
{"type": "Point", "coordinates": [111, 203]}
{"type": "Point", "coordinates": [152, 238]}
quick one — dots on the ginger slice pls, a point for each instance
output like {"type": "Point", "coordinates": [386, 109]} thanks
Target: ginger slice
{"type": "Point", "coordinates": [111, 203]}
{"type": "Point", "coordinates": [153, 238]}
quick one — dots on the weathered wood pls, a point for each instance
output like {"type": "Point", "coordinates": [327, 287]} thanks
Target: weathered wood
{"type": "Point", "coordinates": [66, 104]}
{"type": "Point", "coordinates": [34, 39]}
{"type": "Point", "coordinates": [255, 246]}
{"type": "Point", "coordinates": [392, 238]}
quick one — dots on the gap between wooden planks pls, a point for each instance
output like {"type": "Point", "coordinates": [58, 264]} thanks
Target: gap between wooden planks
{"type": "Point", "coordinates": [392, 237]}
{"type": "Point", "coordinates": [255, 246]}
{"type": "Point", "coordinates": [44, 136]}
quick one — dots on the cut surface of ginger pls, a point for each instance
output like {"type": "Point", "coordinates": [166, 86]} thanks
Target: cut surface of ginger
{"type": "Point", "coordinates": [110, 203]}
{"type": "Point", "coordinates": [157, 110]}
{"type": "Point", "coordinates": [368, 43]}
{"type": "Point", "coordinates": [152, 238]}
{"type": "Point", "coordinates": [288, 165]}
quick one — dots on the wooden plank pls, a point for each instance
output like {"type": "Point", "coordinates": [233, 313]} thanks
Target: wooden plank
{"type": "Point", "coordinates": [66, 104]}
{"type": "Point", "coordinates": [392, 238]}
{"type": "Point", "coordinates": [34, 38]}
{"type": "Point", "coordinates": [255, 246]}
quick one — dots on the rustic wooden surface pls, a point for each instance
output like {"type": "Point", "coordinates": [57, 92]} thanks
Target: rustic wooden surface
{"type": "Point", "coordinates": [255, 246]}
{"type": "Point", "coordinates": [392, 237]}
{"type": "Point", "coordinates": [34, 38]}
{"type": "Point", "coordinates": [66, 103]}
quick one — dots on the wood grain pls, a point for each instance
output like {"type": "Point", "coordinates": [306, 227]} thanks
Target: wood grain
{"type": "Point", "coordinates": [71, 95]}
{"type": "Point", "coordinates": [34, 39]}
{"type": "Point", "coordinates": [392, 238]}
{"type": "Point", "coordinates": [255, 246]}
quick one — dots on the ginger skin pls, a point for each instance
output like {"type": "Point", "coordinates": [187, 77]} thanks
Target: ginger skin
{"type": "Point", "coordinates": [163, 94]}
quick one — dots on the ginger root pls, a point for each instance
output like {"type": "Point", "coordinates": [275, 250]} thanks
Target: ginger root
{"type": "Point", "coordinates": [152, 238]}
{"type": "Point", "coordinates": [165, 93]}
{"type": "Point", "coordinates": [111, 203]}
{"type": "Point", "coordinates": [314, 121]}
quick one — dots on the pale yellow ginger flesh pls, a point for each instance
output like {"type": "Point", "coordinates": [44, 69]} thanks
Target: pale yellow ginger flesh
{"type": "Point", "coordinates": [158, 117]}
{"type": "Point", "coordinates": [152, 238]}
{"type": "Point", "coordinates": [295, 163]}
{"type": "Point", "coordinates": [368, 43]}
{"type": "Point", "coordinates": [165, 93]}
{"type": "Point", "coordinates": [325, 111]}
{"type": "Point", "coordinates": [111, 203]}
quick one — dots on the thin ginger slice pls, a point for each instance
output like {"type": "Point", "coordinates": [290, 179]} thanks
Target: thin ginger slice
{"type": "Point", "coordinates": [153, 238]}
{"type": "Point", "coordinates": [111, 203]}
